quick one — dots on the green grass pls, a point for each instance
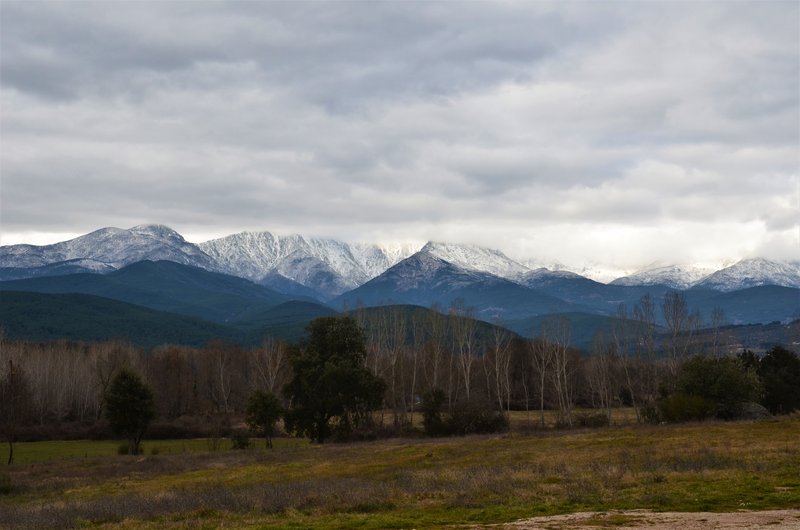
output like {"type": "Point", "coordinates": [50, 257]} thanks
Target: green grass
{"type": "Point", "coordinates": [412, 483]}
{"type": "Point", "coordinates": [50, 451]}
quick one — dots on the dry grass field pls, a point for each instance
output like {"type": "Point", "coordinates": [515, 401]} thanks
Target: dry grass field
{"type": "Point", "coordinates": [408, 483]}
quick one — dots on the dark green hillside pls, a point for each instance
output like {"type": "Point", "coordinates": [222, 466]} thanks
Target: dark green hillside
{"type": "Point", "coordinates": [44, 317]}
{"type": "Point", "coordinates": [583, 327]}
{"type": "Point", "coordinates": [287, 321]}
{"type": "Point", "coordinates": [375, 317]}
{"type": "Point", "coordinates": [164, 286]}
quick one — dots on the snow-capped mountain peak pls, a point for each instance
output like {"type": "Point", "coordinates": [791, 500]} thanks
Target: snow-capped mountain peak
{"type": "Point", "coordinates": [673, 276]}
{"type": "Point", "coordinates": [753, 272]}
{"type": "Point", "coordinates": [115, 247]}
{"type": "Point", "coordinates": [328, 265]}
{"type": "Point", "coordinates": [475, 258]}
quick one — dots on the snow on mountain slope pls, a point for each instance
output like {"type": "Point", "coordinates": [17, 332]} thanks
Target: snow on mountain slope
{"type": "Point", "coordinates": [476, 258]}
{"type": "Point", "coordinates": [751, 273]}
{"type": "Point", "coordinates": [115, 247]}
{"type": "Point", "coordinates": [426, 269]}
{"type": "Point", "coordinates": [673, 276]}
{"type": "Point", "coordinates": [326, 265]}
{"type": "Point", "coordinates": [374, 259]}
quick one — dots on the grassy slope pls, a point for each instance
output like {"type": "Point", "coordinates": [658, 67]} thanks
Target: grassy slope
{"type": "Point", "coordinates": [424, 483]}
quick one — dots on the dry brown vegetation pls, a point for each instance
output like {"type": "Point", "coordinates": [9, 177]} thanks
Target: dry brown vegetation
{"type": "Point", "coordinates": [719, 467]}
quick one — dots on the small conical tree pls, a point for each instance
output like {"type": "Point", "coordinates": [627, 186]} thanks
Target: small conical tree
{"type": "Point", "coordinates": [129, 408]}
{"type": "Point", "coordinates": [263, 410]}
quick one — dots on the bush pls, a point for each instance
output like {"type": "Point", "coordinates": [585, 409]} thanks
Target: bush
{"type": "Point", "coordinates": [240, 441]}
{"type": "Point", "coordinates": [476, 418]}
{"type": "Point", "coordinates": [125, 449]}
{"type": "Point", "coordinates": [779, 370]}
{"type": "Point", "coordinates": [708, 387]}
{"type": "Point", "coordinates": [592, 421]}
{"type": "Point", "coordinates": [470, 417]}
{"type": "Point", "coordinates": [680, 407]}
{"type": "Point", "coordinates": [432, 422]}
{"type": "Point", "coordinates": [5, 485]}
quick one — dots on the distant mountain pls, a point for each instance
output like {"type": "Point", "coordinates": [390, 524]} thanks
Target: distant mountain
{"type": "Point", "coordinates": [751, 273]}
{"type": "Point", "coordinates": [584, 327]}
{"type": "Point", "coordinates": [287, 321]}
{"type": "Point", "coordinates": [111, 247]}
{"type": "Point", "coordinates": [754, 305]}
{"type": "Point", "coordinates": [164, 286]}
{"type": "Point", "coordinates": [471, 257]}
{"type": "Point", "coordinates": [415, 320]}
{"type": "Point", "coordinates": [72, 266]}
{"type": "Point", "coordinates": [298, 267]}
{"type": "Point", "coordinates": [673, 276]}
{"type": "Point", "coordinates": [81, 317]}
{"type": "Point", "coordinates": [424, 279]}
{"type": "Point", "coordinates": [328, 266]}
{"type": "Point", "coordinates": [282, 284]}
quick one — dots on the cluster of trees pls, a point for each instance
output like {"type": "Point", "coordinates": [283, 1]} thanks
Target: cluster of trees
{"type": "Point", "coordinates": [456, 371]}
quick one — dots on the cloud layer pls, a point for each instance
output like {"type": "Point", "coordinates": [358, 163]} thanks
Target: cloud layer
{"type": "Point", "coordinates": [613, 133]}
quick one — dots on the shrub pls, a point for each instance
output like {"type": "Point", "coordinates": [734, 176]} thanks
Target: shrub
{"type": "Point", "coordinates": [779, 370]}
{"type": "Point", "coordinates": [680, 407]}
{"type": "Point", "coordinates": [469, 417]}
{"type": "Point", "coordinates": [592, 421]}
{"type": "Point", "coordinates": [5, 485]}
{"type": "Point", "coordinates": [240, 441]}
{"type": "Point", "coordinates": [708, 387]}
{"type": "Point", "coordinates": [432, 422]}
{"type": "Point", "coordinates": [476, 418]}
{"type": "Point", "coordinates": [125, 449]}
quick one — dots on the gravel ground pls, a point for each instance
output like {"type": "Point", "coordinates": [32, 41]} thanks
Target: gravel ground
{"type": "Point", "coordinates": [647, 520]}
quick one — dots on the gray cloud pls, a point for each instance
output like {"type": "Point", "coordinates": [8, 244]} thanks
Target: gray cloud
{"type": "Point", "coordinates": [528, 124]}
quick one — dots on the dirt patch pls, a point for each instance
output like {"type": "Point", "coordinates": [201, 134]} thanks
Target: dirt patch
{"type": "Point", "coordinates": [644, 519]}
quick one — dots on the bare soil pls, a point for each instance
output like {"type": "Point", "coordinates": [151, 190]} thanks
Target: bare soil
{"type": "Point", "coordinates": [645, 519]}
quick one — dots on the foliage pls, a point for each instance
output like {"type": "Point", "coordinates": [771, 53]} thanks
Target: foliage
{"type": "Point", "coordinates": [263, 410]}
{"type": "Point", "coordinates": [476, 417]}
{"type": "Point", "coordinates": [679, 407]}
{"type": "Point", "coordinates": [47, 317]}
{"type": "Point", "coordinates": [241, 441]}
{"type": "Point", "coordinates": [705, 387]}
{"type": "Point", "coordinates": [779, 370]}
{"type": "Point", "coordinates": [129, 407]}
{"type": "Point", "coordinates": [330, 389]}
{"type": "Point", "coordinates": [467, 417]}
{"type": "Point", "coordinates": [432, 402]}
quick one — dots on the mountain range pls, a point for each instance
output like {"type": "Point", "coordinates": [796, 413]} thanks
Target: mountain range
{"type": "Point", "coordinates": [240, 279]}
{"type": "Point", "coordinates": [330, 268]}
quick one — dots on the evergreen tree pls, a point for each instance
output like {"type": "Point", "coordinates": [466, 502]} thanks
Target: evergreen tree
{"type": "Point", "coordinates": [263, 410]}
{"type": "Point", "coordinates": [129, 408]}
{"type": "Point", "coordinates": [331, 391]}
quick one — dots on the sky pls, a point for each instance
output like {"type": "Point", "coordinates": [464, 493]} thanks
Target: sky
{"type": "Point", "coordinates": [604, 134]}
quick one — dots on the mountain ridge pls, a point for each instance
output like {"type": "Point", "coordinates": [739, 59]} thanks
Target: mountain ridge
{"type": "Point", "coordinates": [327, 268]}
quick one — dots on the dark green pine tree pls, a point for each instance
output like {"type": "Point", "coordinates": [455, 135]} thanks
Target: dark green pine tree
{"type": "Point", "coordinates": [129, 408]}
{"type": "Point", "coordinates": [331, 390]}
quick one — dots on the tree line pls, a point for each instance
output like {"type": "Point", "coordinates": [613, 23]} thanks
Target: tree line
{"type": "Point", "coordinates": [411, 360]}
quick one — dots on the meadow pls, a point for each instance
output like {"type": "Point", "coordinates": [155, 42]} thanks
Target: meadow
{"type": "Point", "coordinates": [405, 483]}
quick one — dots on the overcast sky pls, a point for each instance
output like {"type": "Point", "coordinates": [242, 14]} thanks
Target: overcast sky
{"type": "Point", "coordinates": [616, 133]}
